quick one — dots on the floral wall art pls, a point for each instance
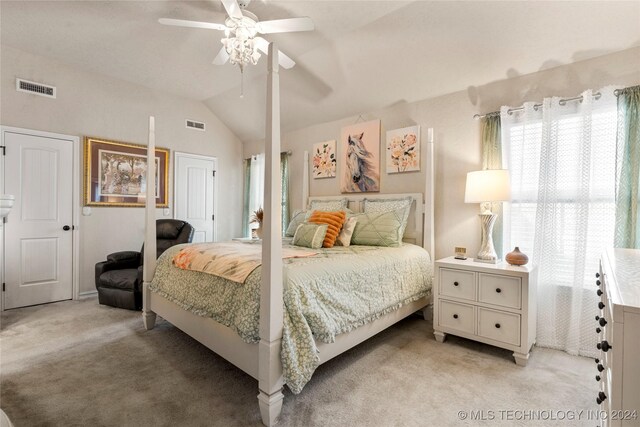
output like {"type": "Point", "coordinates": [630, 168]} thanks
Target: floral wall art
{"type": "Point", "coordinates": [360, 157]}
{"type": "Point", "coordinates": [403, 150]}
{"type": "Point", "coordinates": [324, 159]}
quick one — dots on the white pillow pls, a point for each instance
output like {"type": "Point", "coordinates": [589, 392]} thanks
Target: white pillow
{"type": "Point", "coordinates": [344, 238]}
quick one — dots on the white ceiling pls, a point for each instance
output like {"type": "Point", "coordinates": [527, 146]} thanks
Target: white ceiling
{"type": "Point", "coordinates": [363, 55]}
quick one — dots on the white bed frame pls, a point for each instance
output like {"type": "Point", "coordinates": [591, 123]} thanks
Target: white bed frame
{"type": "Point", "coordinates": [262, 360]}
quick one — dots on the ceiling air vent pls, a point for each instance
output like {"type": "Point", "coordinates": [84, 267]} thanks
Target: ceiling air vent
{"type": "Point", "coordinates": [192, 124]}
{"type": "Point", "coordinates": [35, 88]}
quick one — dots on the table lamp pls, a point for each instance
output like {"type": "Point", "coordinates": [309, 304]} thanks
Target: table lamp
{"type": "Point", "coordinates": [486, 186]}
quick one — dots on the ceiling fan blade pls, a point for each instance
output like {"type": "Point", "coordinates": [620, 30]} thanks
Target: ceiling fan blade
{"type": "Point", "coordinates": [303, 23]}
{"type": "Point", "coordinates": [233, 8]}
{"type": "Point", "coordinates": [283, 60]}
{"type": "Point", "coordinates": [192, 24]}
{"type": "Point", "coordinates": [222, 57]}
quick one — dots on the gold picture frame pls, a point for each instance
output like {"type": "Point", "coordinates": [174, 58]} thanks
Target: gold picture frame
{"type": "Point", "coordinates": [115, 174]}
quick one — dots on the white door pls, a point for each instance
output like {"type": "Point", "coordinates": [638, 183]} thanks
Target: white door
{"type": "Point", "coordinates": [194, 193]}
{"type": "Point", "coordinates": [38, 171]}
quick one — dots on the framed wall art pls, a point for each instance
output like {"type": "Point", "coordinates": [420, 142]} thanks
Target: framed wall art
{"type": "Point", "coordinates": [324, 159]}
{"type": "Point", "coordinates": [360, 157]}
{"type": "Point", "coordinates": [403, 150]}
{"type": "Point", "coordinates": [115, 174]}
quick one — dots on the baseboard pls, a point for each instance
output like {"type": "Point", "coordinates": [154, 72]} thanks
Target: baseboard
{"type": "Point", "coordinates": [87, 294]}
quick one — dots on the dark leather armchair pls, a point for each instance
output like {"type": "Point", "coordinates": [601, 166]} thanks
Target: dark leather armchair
{"type": "Point", "coordinates": [119, 278]}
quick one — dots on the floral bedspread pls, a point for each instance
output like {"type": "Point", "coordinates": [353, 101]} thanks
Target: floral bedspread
{"type": "Point", "coordinates": [325, 295]}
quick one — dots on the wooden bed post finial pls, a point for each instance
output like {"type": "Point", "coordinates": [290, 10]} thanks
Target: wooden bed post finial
{"type": "Point", "coordinates": [270, 381]}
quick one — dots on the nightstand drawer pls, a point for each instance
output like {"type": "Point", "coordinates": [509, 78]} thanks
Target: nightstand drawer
{"type": "Point", "coordinates": [500, 290]}
{"type": "Point", "coordinates": [499, 326]}
{"type": "Point", "coordinates": [458, 283]}
{"type": "Point", "coordinates": [457, 316]}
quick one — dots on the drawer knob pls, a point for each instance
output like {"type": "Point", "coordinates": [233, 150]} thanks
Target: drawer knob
{"type": "Point", "coordinates": [597, 360]}
{"type": "Point", "coordinates": [598, 330]}
{"type": "Point", "coordinates": [599, 292]}
{"type": "Point", "coordinates": [601, 398]}
{"type": "Point", "coordinates": [598, 283]}
{"type": "Point", "coordinates": [600, 367]}
{"type": "Point", "coordinates": [597, 275]}
{"type": "Point", "coordinates": [597, 318]}
{"type": "Point", "coordinates": [455, 316]}
{"type": "Point", "coordinates": [498, 325]}
{"type": "Point", "coordinates": [600, 305]}
{"type": "Point", "coordinates": [455, 283]}
{"type": "Point", "coordinates": [604, 346]}
{"type": "Point", "coordinates": [602, 322]}
{"type": "Point", "coordinates": [498, 290]}
{"type": "Point", "coordinates": [597, 377]}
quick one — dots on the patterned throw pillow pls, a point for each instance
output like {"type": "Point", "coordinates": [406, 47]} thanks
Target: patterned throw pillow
{"type": "Point", "coordinates": [388, 205]}
{"type": "Point", "coordinates": [344, 238]}
{"type": "Point", "coordinates": [310, 235]}
{"type": "Point", "coordinates": [328, 205]}
{"type": "Point", "coordinates": [335, 221]}
{"type": "Point", "coordinates": [299, 216]}
{"type": "Point", "coordinates": [379, 229]}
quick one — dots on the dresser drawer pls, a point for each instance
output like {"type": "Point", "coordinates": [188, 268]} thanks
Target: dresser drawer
{"type": "Point", "coordinates": [505, 291]}
{"type": "Point", "coordinates": [458, 283]}
{"type": "Point", "coordinates": [457, 316]}
{"type": "Point", "coordinates": [499, 326]}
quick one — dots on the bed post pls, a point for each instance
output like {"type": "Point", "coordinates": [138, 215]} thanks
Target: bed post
{"type": "Point", "coordinates": [305, 180]}
{"type": "Point", "coordinates": [270, 381]}
{"type": "Point", "coordinates": [149, 268]}
{"type": "Point", "coordinates": [429, 211]}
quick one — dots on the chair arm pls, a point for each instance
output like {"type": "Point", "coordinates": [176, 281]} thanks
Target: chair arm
{"type": "Point", "coordinates": [125, 258]}
{"type": "Point", "coordinates": [140, 274]}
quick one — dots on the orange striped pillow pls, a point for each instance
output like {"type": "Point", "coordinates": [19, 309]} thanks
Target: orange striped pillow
{"type": "Point", "coordinates": [334, 219]}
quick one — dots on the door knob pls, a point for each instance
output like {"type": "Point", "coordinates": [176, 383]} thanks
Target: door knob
{"type": "Point", "coordinates": [66, 228]}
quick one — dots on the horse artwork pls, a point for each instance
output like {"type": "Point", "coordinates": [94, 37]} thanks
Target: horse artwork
{"type": "Point", "coordinates": [360, 161]}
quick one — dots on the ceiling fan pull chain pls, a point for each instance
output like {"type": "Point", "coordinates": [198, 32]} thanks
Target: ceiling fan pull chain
{"type": "Point", "coordinates": [241, 81]}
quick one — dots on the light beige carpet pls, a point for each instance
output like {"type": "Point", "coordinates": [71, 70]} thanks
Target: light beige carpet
{"type": "Point", "coordinates": [77, 363]}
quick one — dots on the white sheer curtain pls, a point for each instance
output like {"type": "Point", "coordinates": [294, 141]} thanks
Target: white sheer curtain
{"type": "Point", "coordinates": [256, 185]}
{"type": "Point", "coordinates": [562, 214]}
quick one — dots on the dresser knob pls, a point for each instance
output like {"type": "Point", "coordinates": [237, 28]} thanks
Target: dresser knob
{"type": "Point", "coordinates": [498, 325]}
{"type": "Point", "coordinates": [455, 283]}
{"type": "Point", "coordinates": [455, 316]}
{"type": "Point", "coordinates": [600, 367]}
{"type": "Point", "coordinates": [597, 275]}
{"type": "Point", "coordinates": [498, 290]}
{"type": "Point", "coordinates": [599, 292]}
{"type": "Point", "coordinates": [598, 330]}
{"type": "Point", "coordinates": [598, 378]}
{"type": "Point", "coordinates": [600, 305]}
{"type": "Point", "coordinates": [602, 322]}
{"type": "Point", "coordinates": [601, 398]}
{"type": "Point", "coordinates": [604, 346]}
{"type": "Point", "coordinates": [598, 283]}
{"type": "Point", "coordinates": [597, 318]}
{"type": "Point", "coordinates": [597, 360]}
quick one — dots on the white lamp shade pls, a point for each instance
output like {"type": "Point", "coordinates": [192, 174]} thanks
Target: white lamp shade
{"type": "Point", "coordinates": [492, 185]}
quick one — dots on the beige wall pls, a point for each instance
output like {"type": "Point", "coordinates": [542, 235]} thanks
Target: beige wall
{"type": "Point", "coordinates": [456, 137]}
{"type": "Point", "coordinates": [95, 105]}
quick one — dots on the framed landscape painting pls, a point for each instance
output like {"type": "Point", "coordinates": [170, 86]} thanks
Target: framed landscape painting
{"type": "Point", "coordinates": [115, 174]}
{"type": "Point", "coordinates": [324, 159]}
{"type": "Point", "coordinates": [403, 150]}
{"type": "Point", "coordinates": [360, 157]}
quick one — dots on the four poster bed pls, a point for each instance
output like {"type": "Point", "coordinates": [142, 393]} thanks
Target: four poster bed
{"type": "Point", "coordinates": [284, 323]}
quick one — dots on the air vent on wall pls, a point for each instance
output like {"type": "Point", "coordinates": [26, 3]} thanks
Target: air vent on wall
{"type": "Point", "coordinates": [192, 124]}
{"type": "Point", "coordinates": [35, 88]}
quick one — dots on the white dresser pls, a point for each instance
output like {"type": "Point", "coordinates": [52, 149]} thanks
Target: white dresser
{"type": "Point", "coordinates": [491, 303]}
{"type": "Point", "coordinates": [618, 328]}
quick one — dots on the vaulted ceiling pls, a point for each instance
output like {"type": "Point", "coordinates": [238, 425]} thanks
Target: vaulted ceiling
{"type": "Point", "coordinates": [362, 56]}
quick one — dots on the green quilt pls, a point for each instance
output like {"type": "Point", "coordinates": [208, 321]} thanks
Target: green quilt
{"type": "Point", "coordinates": [330, 293]}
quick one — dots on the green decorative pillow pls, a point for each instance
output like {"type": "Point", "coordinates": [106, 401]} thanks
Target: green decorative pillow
{"type": "Point", "coordinates": [310, 235]}
{"type": "Point", "coordinates": [376, 206]}
{"type": "Point", "coordinates": [379, 229]}
{"type": "Point", "coordinates": [299, 216]}
{"type": "Point", "coordinates": [328, 205]}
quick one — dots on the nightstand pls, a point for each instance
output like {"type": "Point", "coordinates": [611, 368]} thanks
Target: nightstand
{"type": "Point", "coordinates": [490, 303]}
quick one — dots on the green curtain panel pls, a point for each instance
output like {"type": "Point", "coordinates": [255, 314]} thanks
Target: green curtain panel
{"type": "Point", "coordinates": [627, 231]}
{"type": "Point", "coordinates": [284, 177]}
{"type": "Point", "coordinates": [246, 232]}
{"type": "Point", "coordinates": [492, 159]}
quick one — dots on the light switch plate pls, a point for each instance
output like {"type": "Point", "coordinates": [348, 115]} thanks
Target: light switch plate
{"type": "Point", "coordinates": [86, 210]}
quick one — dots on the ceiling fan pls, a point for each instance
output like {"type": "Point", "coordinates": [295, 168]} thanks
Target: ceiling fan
{"type": "Point", "coordinates": [241, 44]}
